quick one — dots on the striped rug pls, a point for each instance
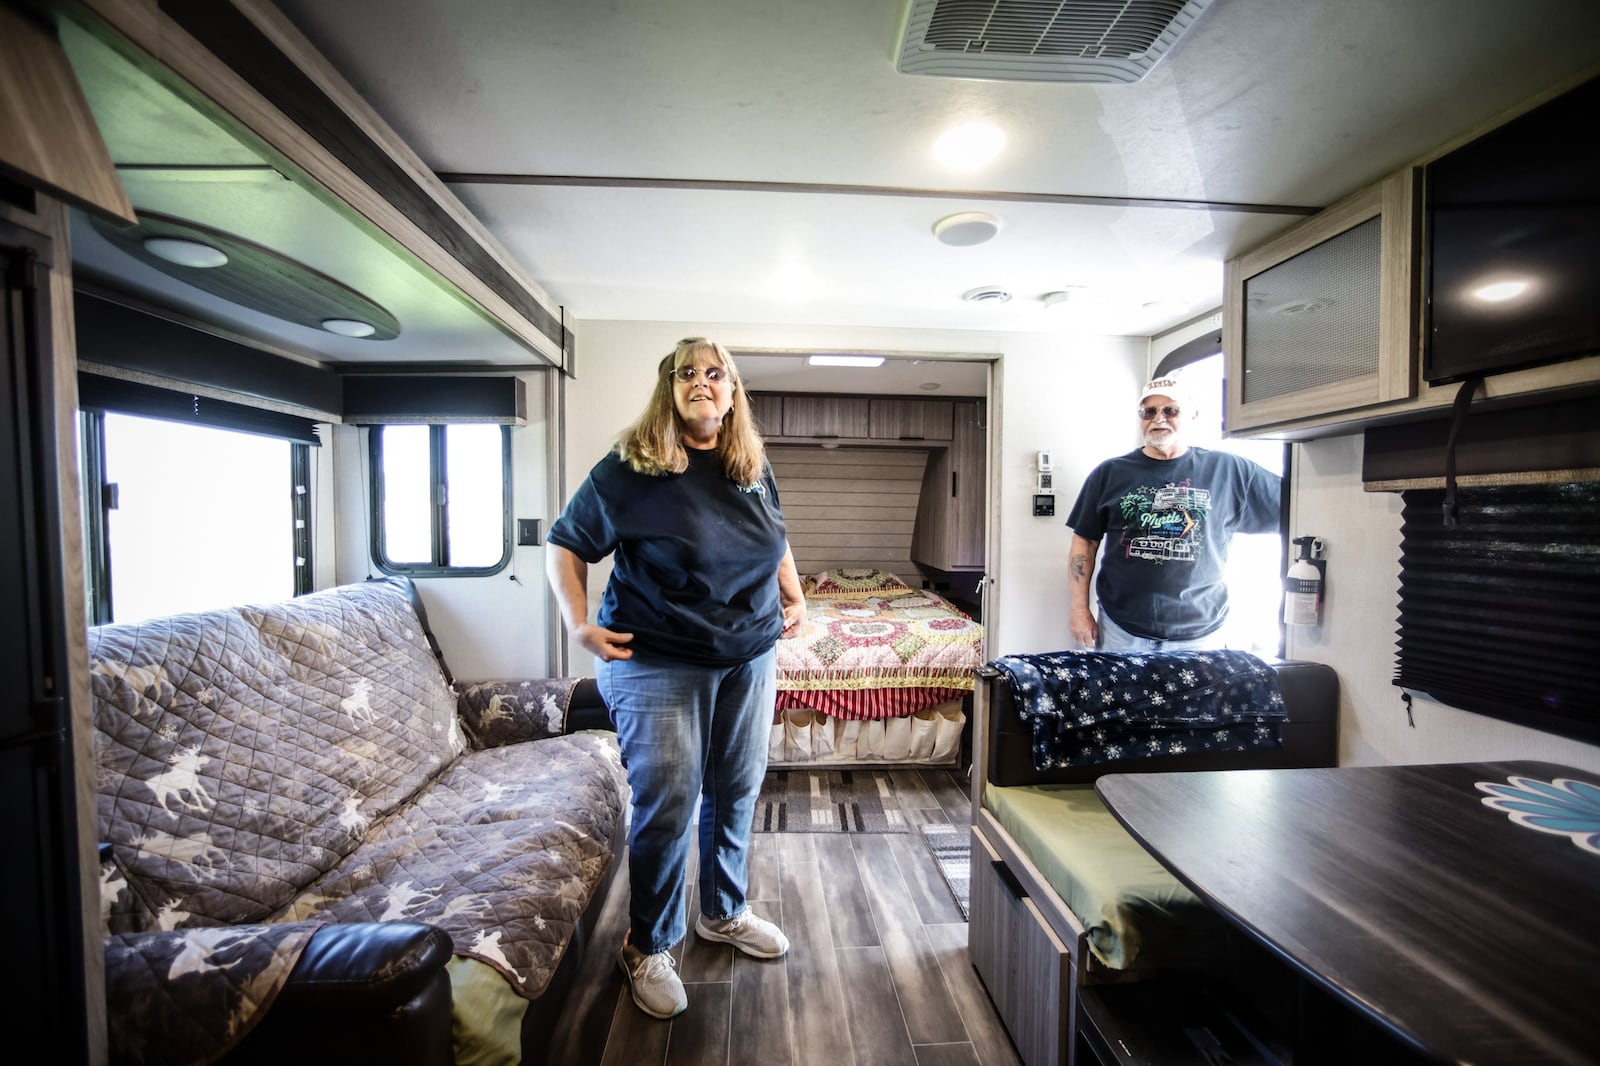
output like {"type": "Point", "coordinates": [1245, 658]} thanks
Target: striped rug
{"type": "Point", "coordinates": [829, 801]}
{"type": "Point", "coordinates": [950, 846]}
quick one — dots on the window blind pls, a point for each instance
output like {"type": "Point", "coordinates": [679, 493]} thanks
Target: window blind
{"type": "Point", "coordinates": [96, 393]}
{"type": "Point", "coordinates": [1499, 613]}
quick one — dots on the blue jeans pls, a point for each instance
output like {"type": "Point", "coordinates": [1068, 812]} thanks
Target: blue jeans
{"type": "Point", "coordinates": [1114, 638]}
{"type": "Point", "coordinates": [687, 731]}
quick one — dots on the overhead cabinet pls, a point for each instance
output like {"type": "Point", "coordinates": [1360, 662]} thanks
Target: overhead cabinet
{"type": "Point", "coordinates": [825, 417]}
{"type": "Point", "coordinates": [912, 420]}
{"type": "Point", "coordinates": [1321, 321]}
{"type": "Point", "coordinates": [854, 418]}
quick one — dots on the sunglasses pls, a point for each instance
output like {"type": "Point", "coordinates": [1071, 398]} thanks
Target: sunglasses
{"type": "Point", "coordinates": [1147, 413]}
{"type": "Point", "coordinates": [686, 374]}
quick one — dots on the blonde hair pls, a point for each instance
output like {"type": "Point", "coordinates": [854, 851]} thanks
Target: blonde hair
{"type": "Point", "coordinates": [654, 443]}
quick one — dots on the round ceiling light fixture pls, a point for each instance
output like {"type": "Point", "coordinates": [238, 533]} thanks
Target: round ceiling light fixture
{"type": "Point", "coordinates": [986, 294]}
{"type": "Point", "coordinates": [185, 252]}
{"type": "Point", "coordinates": [966, 228]}
{"type": "Point", "coordinates": [349, 327]}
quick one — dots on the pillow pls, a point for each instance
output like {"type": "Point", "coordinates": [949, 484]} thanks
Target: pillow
{"type": "Point", "coordinates": [849, 579]}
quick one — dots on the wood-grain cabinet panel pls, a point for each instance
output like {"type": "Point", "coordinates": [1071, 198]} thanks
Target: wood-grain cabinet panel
{"type": "Point", "coordinates": [911, 420]}
{"type": "Point", "coordinates": [1023, 963]}
{"type": "Point", "coordinates": [826, 417]}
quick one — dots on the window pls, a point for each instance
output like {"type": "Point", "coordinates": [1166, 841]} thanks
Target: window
{"type": "Point", "coordinates": [1255, 560]}
{"type": "Point", "coordinates": [184, 517]}
{"type": "Point", "coordinates": [441, 498]}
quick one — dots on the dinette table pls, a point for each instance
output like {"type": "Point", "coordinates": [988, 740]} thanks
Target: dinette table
{"type": "Point", "coordinates": [1457, 905]}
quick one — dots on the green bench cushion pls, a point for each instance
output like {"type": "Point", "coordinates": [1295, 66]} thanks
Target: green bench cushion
{"type": "Point", "coordinates": [1130, 906]}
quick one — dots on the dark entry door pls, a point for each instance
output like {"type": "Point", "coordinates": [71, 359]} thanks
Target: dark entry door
{"type": "Point", "coordinates": [39, 895]}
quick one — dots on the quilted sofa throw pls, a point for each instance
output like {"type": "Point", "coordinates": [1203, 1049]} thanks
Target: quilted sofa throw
{"type": "Point", "coordinates": [264, 770]}
{"type": "Point", "coordinates": [1094, 707]}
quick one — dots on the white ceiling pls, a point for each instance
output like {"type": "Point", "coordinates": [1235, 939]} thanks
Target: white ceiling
{"type": "Point", "coordinates": [1274, 103]}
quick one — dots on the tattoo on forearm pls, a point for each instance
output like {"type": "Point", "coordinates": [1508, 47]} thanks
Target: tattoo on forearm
{"type": "Point", "coordinates": [1080, 566]}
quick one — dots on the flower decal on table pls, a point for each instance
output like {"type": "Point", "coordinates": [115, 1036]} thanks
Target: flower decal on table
{"type": "Point", "coordinates": [1564, 807]}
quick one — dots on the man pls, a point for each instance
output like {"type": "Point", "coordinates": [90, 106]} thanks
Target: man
{"type": "Point", "coordinates": [1170, 511]}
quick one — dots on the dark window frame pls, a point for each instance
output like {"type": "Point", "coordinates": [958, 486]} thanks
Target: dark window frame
{"type": "Point", "coordinates": [438, 564]}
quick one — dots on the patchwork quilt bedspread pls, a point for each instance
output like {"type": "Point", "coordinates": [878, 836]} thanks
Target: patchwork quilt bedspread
{"type": "Point", "coordinates": [869, 636]}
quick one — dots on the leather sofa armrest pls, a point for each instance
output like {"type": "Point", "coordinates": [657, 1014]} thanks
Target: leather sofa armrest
{"type": "Point", "coordinates": [494, 713]}
{"type": "Point", "coordinates": [360, 992]}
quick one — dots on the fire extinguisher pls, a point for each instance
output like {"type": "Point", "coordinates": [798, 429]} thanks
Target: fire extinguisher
{"type": "Point", "coordinates": [1302, 585]}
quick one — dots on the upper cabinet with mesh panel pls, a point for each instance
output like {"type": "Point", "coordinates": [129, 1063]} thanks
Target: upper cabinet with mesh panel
{"type": "Point", "coordinates": [1321, 321]}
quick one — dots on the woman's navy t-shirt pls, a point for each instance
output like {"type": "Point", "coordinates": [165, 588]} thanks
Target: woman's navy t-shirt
{"type": "Point", "coordinates": [695, 576]}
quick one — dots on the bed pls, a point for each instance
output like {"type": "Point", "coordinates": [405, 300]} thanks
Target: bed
{"type": "Point", "coordinates": [877, 675]}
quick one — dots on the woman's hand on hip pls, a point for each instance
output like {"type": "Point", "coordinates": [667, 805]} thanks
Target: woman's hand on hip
{"type": "Point", "coordinates": [794, 616]}
{"type": "Point", "coordinates": [605, 643]}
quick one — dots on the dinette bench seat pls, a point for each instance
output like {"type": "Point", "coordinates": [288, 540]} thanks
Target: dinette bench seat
{"type": "Point", "coordinates": [1063, 898]}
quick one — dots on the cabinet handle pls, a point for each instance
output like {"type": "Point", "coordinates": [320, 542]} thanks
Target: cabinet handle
{"type": "Point", "coordinates": [1009, 879]}
{"type": "Point", "coordinates": [908, 436]}
{"type": "Point", "coordinates": [824, 436]}
{"type": "Point", "coordinates": [952, 483]}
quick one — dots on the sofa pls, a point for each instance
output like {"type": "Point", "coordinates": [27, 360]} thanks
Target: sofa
{"type": "Point", "coordinates": [318, 846]}
{"type": "Point", "coordinates": [1068, 912]}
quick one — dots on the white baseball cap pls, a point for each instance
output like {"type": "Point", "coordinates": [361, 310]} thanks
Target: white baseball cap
{"type": "Point", "coordinates": [1174, 389]}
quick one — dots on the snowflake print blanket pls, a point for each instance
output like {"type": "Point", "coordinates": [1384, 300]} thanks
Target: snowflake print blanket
{"type": "Point", "coordinates": [1095, 707]}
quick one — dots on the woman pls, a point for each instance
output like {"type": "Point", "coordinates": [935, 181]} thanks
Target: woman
{"type": "Point", "coordinates": [702, 585]}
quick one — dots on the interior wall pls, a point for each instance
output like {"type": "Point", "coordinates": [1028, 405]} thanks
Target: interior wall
{"type": "Point", "coordinates": [1051, 392]}
{"type": "Point", "coordinates": [850, 507]}
{"type": "Point", "coordinates": [1357, 635]}
{"type": "Point", "coordinates": [489, 628]}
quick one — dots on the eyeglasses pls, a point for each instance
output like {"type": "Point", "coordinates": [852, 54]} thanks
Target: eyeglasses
{"type": "Point", "coordinates": [712, 374]}
{"type": "Point", "coordinates": [1147, 413]}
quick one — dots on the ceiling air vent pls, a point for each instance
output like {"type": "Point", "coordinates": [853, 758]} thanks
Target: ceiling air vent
{"type": "Point", "coordinates": [1042, 40]}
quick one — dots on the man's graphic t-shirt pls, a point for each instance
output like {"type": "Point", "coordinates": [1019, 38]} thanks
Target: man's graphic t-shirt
{"type": "Point", "coordinates": [1164, 527]}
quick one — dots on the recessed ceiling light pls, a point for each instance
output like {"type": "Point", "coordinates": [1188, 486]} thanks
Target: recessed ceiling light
{"type": "Point", "coordinates": [349, 327]}
{"type": "Point", "coordinates": [1059, 297]}
{"type": "Point", "coordinates": [845, 360]}
{"type": "Point", "coordinates": [966, 228]}
{"type": "Point", "coordinates": [970, 146]}
{"type": "Point", "coordinates": [987, 294]}
{"type": "Point", "coordinates": [929, 386]}
{"type": "Point", "coordinates": [186, 253]}
{"type": "Point", "coordinates": [1500, 291]}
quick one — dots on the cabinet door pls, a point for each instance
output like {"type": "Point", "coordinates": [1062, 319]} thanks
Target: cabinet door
{"type": "Point", "coordinates": [911, 419]}
{"type": "Point", "coordinates": [950, 511]}
{"type": "Point", "coordinates": [969, 486]}
{"type": "Point", "coordinates": [1322, 320]}
{"type": "Point", "coordinates": [767, 411]}
{"type": "Point", "coordinates": [824, 416]}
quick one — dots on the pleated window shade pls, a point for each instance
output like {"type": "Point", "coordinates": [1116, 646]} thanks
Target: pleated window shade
{"type": "Point", "coordinates": [1499, 614]}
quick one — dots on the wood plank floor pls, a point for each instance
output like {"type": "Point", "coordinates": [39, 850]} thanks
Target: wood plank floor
{"type": "Point", "coordinates": [877, 972]}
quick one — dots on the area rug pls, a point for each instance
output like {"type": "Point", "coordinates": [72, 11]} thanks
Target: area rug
{"type": "Point", "coordinates": [950, 846]}
{"type": "Point", "coordinates": [829, 801]}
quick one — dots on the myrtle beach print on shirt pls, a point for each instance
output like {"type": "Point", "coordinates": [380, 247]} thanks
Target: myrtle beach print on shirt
{"type": "Point", "coordinates": [1165, 524]}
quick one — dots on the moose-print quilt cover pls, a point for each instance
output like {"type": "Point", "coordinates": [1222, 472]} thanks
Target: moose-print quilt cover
{"type": "Point", "coordinates": [299, 763]}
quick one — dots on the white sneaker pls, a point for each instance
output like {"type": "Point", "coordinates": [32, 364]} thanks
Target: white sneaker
{"type": "Point", "coordinates": [654, 982]}
{"type": "Point", "coordinates": [751, 934]}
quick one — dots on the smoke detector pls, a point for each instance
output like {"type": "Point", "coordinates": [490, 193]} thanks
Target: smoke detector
{"type": "Point", "coordinates": [966, 228]}
{"type": "Point", "coordinates": [1057, 41]}
{"type": "Point", "coordinates": [987, 294]}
